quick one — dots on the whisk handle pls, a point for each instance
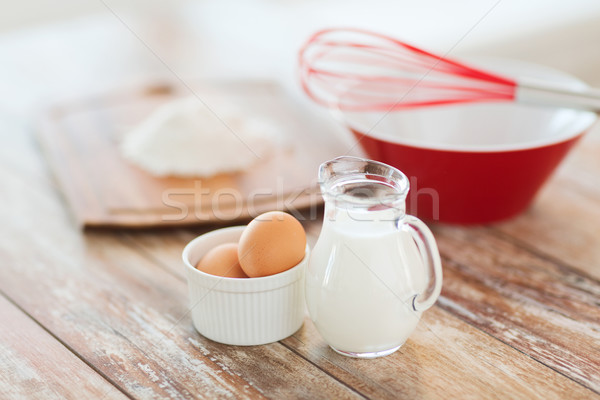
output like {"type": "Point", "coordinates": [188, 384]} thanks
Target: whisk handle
{"type": "Point", "coordinates": [543, 93]}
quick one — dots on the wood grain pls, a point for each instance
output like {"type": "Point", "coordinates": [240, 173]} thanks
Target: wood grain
{"type": "Point", "coordinates": [126, 315]}
{"type": "Point", "coordinates": [545, 310]}
{"type": "Point", "coordinates": [564, 221]}
{"type": "Point", "coordinates": [518, 317]}
{"type": "Point", "coordinates": [117, 299]}
{"type": "Point", "coordinates": [104, 190]}
{"type": "Point", "coordinates": [435, 356]}
{"type": "Point", "coordinates": [443, 358]}
{"type": "Point", "coordinates": [145, 281]}
{"type": "Point", "coordinates": [34, 365]}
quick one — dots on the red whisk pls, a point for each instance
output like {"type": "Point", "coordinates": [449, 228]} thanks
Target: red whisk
{"type": "Point", "coordinates": [357, 70]}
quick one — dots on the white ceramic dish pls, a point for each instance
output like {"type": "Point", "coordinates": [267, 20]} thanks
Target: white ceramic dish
{"type": "Point", "coordinates": [246, 311]}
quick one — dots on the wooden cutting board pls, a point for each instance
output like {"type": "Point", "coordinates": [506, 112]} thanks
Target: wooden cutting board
{"type": "Point", "coordinates": [81, 141]}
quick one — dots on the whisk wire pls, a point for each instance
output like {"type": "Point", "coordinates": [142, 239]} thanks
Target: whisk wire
{"type": "Point", "coordinates": [355, 69]}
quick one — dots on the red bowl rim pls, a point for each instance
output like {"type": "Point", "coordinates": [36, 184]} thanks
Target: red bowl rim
{"type": "Point", "coordinates": [584, 124]}
{"type": "Point", "coordinates": [581, 121]}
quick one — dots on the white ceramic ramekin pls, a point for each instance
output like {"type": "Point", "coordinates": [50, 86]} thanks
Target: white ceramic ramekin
{"type": "Point", "coordinates": [243, 311]}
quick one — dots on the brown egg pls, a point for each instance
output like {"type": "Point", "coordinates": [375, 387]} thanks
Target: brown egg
{"type": "Point", "coordinates": [271, 243]}
{"type": "Point", "coordinates": [222, 261]}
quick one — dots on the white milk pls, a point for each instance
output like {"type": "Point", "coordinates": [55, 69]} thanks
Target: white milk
{"type": "Point", "coordinates": [361, 280]}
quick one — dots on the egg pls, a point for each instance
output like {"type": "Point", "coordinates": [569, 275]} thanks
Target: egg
{"type": "Point", "coordinates": [272, 243]}
{"type": "Point", "coordinates": [222, 260]}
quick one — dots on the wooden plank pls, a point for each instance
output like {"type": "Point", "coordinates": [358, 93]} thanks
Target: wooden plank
{"type": "Point", "coordinates": [104, 190]}
{"type": "Point", "coordinates": [443, 358]}
{"type": "Point", "coordinates": [165, 248]}
{"type": "Point", "coordinates": [34, 365]}
{"type": "Point", "coordinates": [122, 284]}
{"type": "Point", "coordinates": [564, 221]}
{"type": "Point", "coordinates": [125, 315]}
{"type": "Point", "coordinates": [444, 352]}
{"type": "Point", "coordinates": [441, 366]}
{"type": "Point", "coordinates": [545, 310]}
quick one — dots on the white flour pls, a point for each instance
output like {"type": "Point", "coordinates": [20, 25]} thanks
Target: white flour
{"type": "Point", "coordinates": [184, 138]}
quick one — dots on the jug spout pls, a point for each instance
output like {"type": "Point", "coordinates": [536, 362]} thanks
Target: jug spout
{"type": "Point", "coordinates": [358, 184]}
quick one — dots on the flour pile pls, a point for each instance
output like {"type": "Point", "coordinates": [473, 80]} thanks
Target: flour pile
{"type": "Point", "coordinates": [185, 138]}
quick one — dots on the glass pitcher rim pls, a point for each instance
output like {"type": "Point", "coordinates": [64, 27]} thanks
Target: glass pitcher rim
{"type": "Point", "coordinates": [384, 174]}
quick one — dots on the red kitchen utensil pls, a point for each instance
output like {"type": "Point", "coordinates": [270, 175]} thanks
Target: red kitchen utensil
{"type": "Point", "coordinates": [474, 163]}
{"type": "Point", "coordinates": [358, 70]}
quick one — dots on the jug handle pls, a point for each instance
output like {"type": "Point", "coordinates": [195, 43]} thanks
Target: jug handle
{"type": "Point", "coordinates": [431, 256]}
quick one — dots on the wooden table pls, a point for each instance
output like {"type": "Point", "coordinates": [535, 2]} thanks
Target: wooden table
{"type": "Point", "coordinates": [105, 314]}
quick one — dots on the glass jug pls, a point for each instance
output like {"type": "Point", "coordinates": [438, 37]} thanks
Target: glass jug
{"type": "Point", "coordinates": [374, 269]}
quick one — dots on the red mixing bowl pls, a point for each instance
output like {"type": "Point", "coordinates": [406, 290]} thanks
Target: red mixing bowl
{"type": "Point", "coordinates": [477, 163]}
